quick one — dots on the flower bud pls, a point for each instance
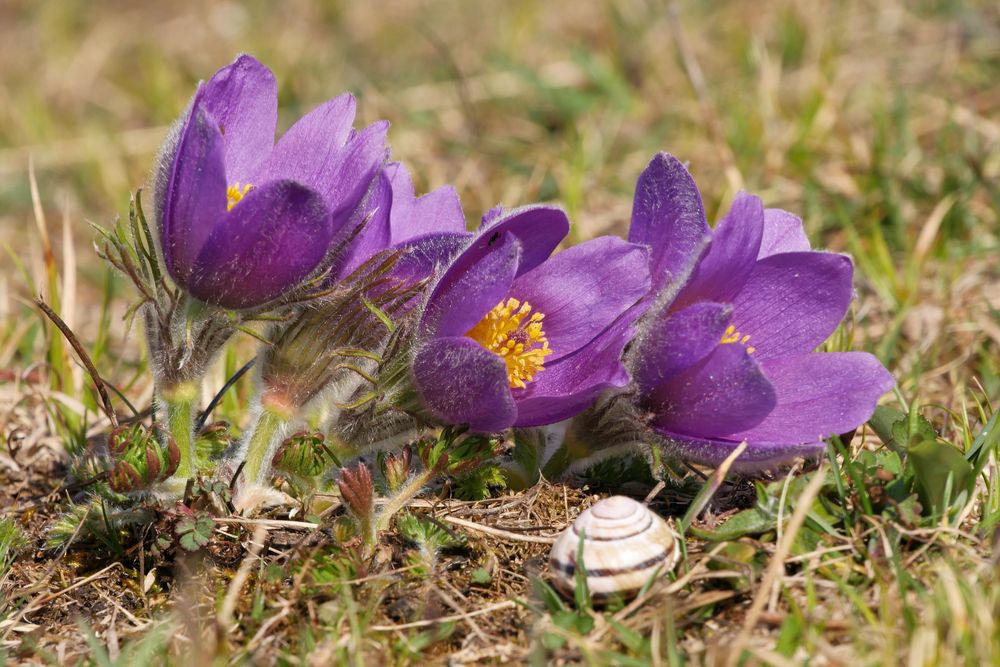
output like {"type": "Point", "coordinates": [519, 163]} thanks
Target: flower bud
{"type": "Point", "coordinates": [213, 439]}
{"type": "Point", "coordinates": [140, 458]}
{"type": "Point", "coordinates": [124, 478]}
{"type": "Point", "coordinates": [302, 454]}
{"type": "Point", "coordinates": [338, 340]}
{"type": "Point", "coordinates": [358, 492]}
{"type": "Point", "coordinates": [396, 468]}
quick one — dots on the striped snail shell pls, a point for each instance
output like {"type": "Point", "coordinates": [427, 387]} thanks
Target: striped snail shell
{"type": "Point", "coordinates": [624, 543]}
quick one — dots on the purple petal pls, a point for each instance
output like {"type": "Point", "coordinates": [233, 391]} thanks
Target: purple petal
{"type": "Point", "coordinates": [461, 382]}
{"type": "Point", "coordinates": [477, 281]}
{"type": "Point", "coordinates": [312, 149]}
{"type": "Point", "coordinates": [678, 341]}
{"type": "Point", "coordinates": [437, 211]}
{"type": "Point", "coordinates": [724, 393]}
{"type": "Point", "coordinates": [195, 196]}
{"type": "Point", "coordinates": [491, 216]}
{"type": "Point", "coordinates": [758, 456]}
{"type": "Point", "coordinates": [270, 242]}
{"type": "Point", "coordinates": [819, 395]}
{"type": "Point", "coordinates": [356, 170]}
{"type": "Point", "coordinates": [571, 384]}
{"type": "Point", "coordinates": [668, 216]}
{"type": "Point", "coordinates": [793, 301]}
{"type": "Point", "coordinates": [583, 289]}
{"type": "Point", "coordinates": [425, 255]}
{"type": "Point", "coordinates": [731, 255]}
{"type": "Point", "coordinates": [242, 99]}
{"type": "Point", "coordinates": [374, 236]}
{"type": "Point", "coordinates": [540, 229]}
{"type": "Point", "coordinates": [783, 232]}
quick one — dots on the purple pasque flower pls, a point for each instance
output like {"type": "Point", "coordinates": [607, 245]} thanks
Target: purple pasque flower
{"type": "Point", "coordinates": [243, 219]}
{"type": "Point", "coordinates": [727, 354]}
{"type": "Point", "coordinates": [510, 336]}
{"type": "Point", "coordinates": [431, 227]}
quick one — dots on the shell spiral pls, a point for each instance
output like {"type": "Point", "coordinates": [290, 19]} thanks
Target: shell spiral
{"type": "Point", "coordinates": [624, 543]}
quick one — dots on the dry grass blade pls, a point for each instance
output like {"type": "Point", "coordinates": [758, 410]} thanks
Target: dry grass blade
{"type": "Point", "coordinates": [95, 376]}
{"type": "Point", "coordinates": [224, 619]}
{"type": "Point", "coordinates": [711, 486]}
{"type": "Point", "coordinates": [499, 532]}
{"type": "Point", "coordinates": [507, 604]}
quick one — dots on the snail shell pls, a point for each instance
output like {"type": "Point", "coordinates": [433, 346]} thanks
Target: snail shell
{"type": "Point", "coordinates": [624, 543]}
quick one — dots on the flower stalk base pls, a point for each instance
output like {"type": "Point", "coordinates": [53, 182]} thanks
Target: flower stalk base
{"type": "Point", "coordinates": [180, 402]}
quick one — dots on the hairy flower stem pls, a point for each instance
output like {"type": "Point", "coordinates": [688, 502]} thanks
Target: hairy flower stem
{"type": "Point", "coordinates": [263, 441]}
{"type": "Point", "coordinates": [402, 498]}
{"type": "Point", "coordinates": [180, 402]}
{"type": "Point", "coordinates": [375, 524]}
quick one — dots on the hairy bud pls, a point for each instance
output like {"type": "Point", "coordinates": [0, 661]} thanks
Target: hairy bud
{"type": "Point", "coordinates": [140, 458]}
{"type": "Point", "coordinates": [358, 492]}
{"type": "Point", "coordinates": [396, 468]}
{"type": "Point", "coordinates": [303, 454]}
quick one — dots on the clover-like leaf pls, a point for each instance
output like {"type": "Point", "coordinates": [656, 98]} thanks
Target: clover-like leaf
{"type": "Point", "coordinates": [194, 532]}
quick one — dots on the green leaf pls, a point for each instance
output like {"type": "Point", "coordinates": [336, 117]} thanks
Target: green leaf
{"type": "Point", "coordinates": [481, 576]}
{"type": "Point", "coordinates": [548, 595]}
{"type": "Point", "coordinates": [985, 442]}
{"type": "Point", "coordinates": [12, 541]}
{"type": "Point", "coordinates": [581, 591]}
{"type": "Point", "coordinates": [522, 471]}
{"type": "Point", "coordinates": [753, 521]}
{"type": "Point", "coordinates": [632, 639]}
{"type": "Point", "coordinates": [428, 534]}
{"type": "Point", "coordinates": [913, 430]}
{"type": "Point", "coordinates": [941, 473]}
{"type": "Point", "coordinates": [883, 420]}
{"type": "Point", "coordinates": [194, 532]}
{"type": "Point", "coordinates": [909, 511]}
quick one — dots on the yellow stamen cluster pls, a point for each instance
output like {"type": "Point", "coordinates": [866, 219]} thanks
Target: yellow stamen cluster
{"type": "Point", "coordinates": [512, 331]}
{"type": "Point", "coordinates": [733, 336]}
{"type": "Point", "coordinates": [234, 193]}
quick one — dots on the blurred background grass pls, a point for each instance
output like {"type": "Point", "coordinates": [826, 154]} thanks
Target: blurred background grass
{"type": "Point", "coordinates": [875, 121]}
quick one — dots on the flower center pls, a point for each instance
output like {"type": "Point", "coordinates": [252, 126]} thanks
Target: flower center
{"type": "Point", "coordinates": [733, 336]}
{"type": "Point", "coordinates": [234, 193]}
{"type": "Point", "coordinates": [512, 331]}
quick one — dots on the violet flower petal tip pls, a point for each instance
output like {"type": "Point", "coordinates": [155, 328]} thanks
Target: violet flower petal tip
{"type": "Point", "coordinates": [793, 301]}
{"type": "Point", "coordinates": [669, 217]}
{"type": "Point", "coordinates": [541, 228]}
{"type": "Point", "coordinates": [731, 256]}
{"type": "Point", "coordinates": [242, 98]}
{"type": "Point", "coordinates": [313, 147]}
{"type": "Point", "coordinates": [820, 394]}
{"type": "Point", "coordinates": [436, 211]}
{"type": "Point", "coordinates": [783, 232]}
{"type": "Point", "coordinates": [473, 284]}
